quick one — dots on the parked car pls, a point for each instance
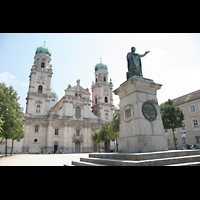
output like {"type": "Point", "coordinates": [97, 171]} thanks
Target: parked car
{"type": "Point", "coordinates": [189, 146]}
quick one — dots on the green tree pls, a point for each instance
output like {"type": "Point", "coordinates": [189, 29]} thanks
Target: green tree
{"type": "Point", "coordinates": [103, 136]}
{"type": "Point", "coordinates": [116, 119]}
{"type": "Point", "coordinates": [95, 136]}
{"type": "Point", "coordinates": [17, 132]}
{"type": "Point", "coordinates": [172, 117]}
{"type": "Point", "coordinates": [11, 112]}
{"type": "Point", "coordinates": [113, 130]}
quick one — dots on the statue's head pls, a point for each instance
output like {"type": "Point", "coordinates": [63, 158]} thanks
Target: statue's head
{"type": "Point", "coordinates": [133, 49]}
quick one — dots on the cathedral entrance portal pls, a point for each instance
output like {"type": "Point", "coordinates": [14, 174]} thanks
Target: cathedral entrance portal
{"type": "Point", "coordinates": [77, 146]}
{"type": "Point", "coordinates": [55, 148]}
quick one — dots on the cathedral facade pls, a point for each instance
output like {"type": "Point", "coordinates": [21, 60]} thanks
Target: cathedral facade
{"type": "Point", "coordinates": [64, 125]}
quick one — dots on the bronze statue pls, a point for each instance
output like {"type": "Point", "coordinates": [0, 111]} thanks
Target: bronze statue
{"type": "Point", "coordinates": [134, 63]}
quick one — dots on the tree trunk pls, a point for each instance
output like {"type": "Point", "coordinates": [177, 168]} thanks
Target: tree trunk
{"type": "Point", "coordinates": [6, 148]}
{"type": "Point", "coordinates": [99, 147]}
{"type": "Point", "coordinates": [12, 147]}
{"type": "Point", "coordinates": [174, 139]}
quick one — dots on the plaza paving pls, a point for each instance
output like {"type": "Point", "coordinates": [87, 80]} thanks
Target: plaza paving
{"type": "Point", "coordinates": [41, 159]}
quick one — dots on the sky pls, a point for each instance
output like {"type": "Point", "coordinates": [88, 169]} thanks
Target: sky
{"type": "Point", "coordinates": [173, 61]}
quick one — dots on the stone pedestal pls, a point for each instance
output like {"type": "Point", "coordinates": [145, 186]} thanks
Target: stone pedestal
{"type": "Point", "coordinates": [141, 127]}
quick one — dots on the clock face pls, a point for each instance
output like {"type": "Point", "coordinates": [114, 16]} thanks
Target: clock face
{"type": "Point", "coordinates": [149, 111]}
{"type": "Point", "coordinates": [128, 113]}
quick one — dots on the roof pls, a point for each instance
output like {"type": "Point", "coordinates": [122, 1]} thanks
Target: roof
{"type": "Point", "coordinates": [187, 98]}
{"type": "Point", "coordinates": [53, 94]}
{"type": "Point", "coordinates": [43, 50]}
{"type": "Point", "coordinates": [100, 66]}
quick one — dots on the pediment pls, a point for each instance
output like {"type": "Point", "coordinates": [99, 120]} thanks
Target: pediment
{"type": "Point", "coordinates": [78, 88]}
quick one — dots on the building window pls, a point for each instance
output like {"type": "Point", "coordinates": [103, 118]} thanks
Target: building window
{"type": "Point", "coordinates": [104, 78]}
{"type": "Point", "coordinates": [40, 89]}
{"type": "Point", "coordinates": [36, 128]}
{"type": "Point", "coordinates": [56, 131]}
{"type": "Point", "coordinates": [42, 65]}
{"type": "Point", "coordinates": [197, 139]}
{"type": "Point", "coordinates": [76, 94]}
{"type": "Point", "coordinates": [183, 126]}
{"type": "Point", "coordinates": [95, 100]}
{"type": "Point", "coordinates": [168, 142]}
{"type": "Point", "coordinates": [35, 140]}
{"type": "Point", "coordinates": [192, 108]}
{"type": "Point", "coordinates": [106, 99]}
{"type": "Point", "coordinates": [195, 123]}
{"type": "Point", "coordinates": [77, 112]}
{"type": "Point", "coordinates": [77, 132]}
{"type": "Point", "coordinates": [38, 108]}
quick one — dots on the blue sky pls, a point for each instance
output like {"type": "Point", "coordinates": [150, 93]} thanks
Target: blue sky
{"type": "Point", "coordinates": [173, 60]}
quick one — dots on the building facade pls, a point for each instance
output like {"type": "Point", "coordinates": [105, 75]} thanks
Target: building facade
{"type": "Point", "coordinates": [65, 125]}
{"type": "Point", "coordinates": [190, 130]}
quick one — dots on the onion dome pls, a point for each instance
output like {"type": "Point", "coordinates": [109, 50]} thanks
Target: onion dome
{"type": "Point", "coordinates": [53, 94]}
{"type": "Point", "coordinates": [43, 50]}
{"type": "Point", "coordinates": [100, 66]}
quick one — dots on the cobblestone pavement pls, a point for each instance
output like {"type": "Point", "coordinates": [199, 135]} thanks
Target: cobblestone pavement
{"type": "Point", "coordinates": [41, 159]}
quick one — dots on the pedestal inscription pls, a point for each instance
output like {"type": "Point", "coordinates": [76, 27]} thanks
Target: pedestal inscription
{"type": "Point", "coordinates": [128, 113]}
{"type": "Point", "coordinates": [149, 111]}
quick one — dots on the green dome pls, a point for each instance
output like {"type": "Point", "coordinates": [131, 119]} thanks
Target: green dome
{"type": "Point", "coordinates": [43, 50]}
{"type": "Point", "coordinates": [101, 66]}
{"type": "Point", "coordinates": [53, 94]}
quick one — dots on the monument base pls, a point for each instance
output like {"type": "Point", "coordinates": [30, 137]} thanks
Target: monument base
{"type": "Point", "coordinates": [141, 127]}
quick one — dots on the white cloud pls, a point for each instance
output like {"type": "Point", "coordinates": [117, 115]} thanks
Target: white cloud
{"type": "Point", "coordinates": [24, 84]}
{"type": "Point", "coordinates": [6, 77]}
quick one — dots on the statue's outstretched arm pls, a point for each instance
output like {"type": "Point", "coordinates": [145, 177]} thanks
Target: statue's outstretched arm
{"type": "Point", "coordinates": [144, 54]}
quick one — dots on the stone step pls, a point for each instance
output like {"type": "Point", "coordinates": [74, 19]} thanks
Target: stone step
{"type": "Point", "coordinates": [186, 164]}
{"type": "Point", "coordinates": [145, 156]}
{"type": "Point", "coordinates": [81, 163]}
{"type": "Point", "coordinates": [151, 162]}
{"type": "Point", "coordinates": [68, 165]}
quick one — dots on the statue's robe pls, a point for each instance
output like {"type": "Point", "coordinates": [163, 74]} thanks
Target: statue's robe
{"type": "Point", "coordinates": [134, 65]}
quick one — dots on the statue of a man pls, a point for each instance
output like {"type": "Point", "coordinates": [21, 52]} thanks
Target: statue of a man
{"type": "Point", "coordinates": [134, 63]}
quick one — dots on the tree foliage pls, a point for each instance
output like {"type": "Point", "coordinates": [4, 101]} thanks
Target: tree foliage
{"type": "Point", "coordinates": [108, 132]}
{"type": "Point", "coordinates": [95, 136]}
{"type": "Point", "coordinates": [172, 117]}
{"type": "Point", "coordinates": [11, 113]}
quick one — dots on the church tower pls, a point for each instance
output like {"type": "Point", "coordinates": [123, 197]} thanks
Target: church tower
{"type": "Point", "coordinates": [38, 96]}
{"type": "Point", "coordinates": [102, 96]}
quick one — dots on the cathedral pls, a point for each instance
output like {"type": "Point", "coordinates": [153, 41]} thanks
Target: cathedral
{"type": "Point", "coordinates": [64, 125]}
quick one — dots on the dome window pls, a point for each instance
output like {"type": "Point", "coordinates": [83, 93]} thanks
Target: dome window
{"type": "Point", "coordinates": [42, 65]}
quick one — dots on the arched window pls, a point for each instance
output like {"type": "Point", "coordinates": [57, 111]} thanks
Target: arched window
{"type": "Point", "coordinates": [42, 65]}
{"type": "Point", "coordinates": [104, 78]}
{"type": "Point", "coordinates": [36, 128]}
{"type": "Point", "coordinates": [77, 132]}
{"type": "Point", "coordinates": [106, 99]}
{"type": "Point", "coordinates": [77, 112]}
{"type": "Point", "coordinates": [40, 89]}
{"type": "Point", "coordinates": [38, 108]}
